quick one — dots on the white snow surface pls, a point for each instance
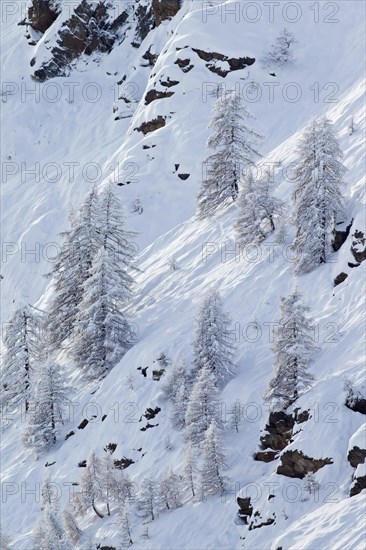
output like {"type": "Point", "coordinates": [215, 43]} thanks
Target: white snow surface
{"type": "Point", "coordinates": [34, 211]}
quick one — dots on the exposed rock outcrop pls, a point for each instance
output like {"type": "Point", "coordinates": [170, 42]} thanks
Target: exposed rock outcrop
{"type": "Point", "coordinates": [184, 64]}
{"type": "Point", "coordinates": [89, 29]}
{"type": "Point", "coordinates": [358, 247]}
{"type": "Point", "coordinates": [245, 508]}
{"type": "Point", "coordinates": [296, 464]}
{"type": "Point", "coordinates": [145, 23]}
{"type": "Point", "coordinates": [150, 58]}
{"type": "Point", "coordinates": [168, 83]}
{"type": "Point", "coordinates": [123, 463]}
{"type": "Point", "coordinates": [42, 13]}
{"type": "Point", "coordinates": [356, 456]}
{"type": "Point", "coordinates": [358, 486]}
{"type": "Point", "coordinates": [165, 9]}
{"type": "Point", "coordinates": [265, 456]}
{"type": "Point", "coordinates": [234, 63]}
{"type": "Point", "coordinates": [152, 125]}
{"type": "Point", "coordinates": [340, 278]}
{"type": "Point", "coordinates": [279, 431]}
{"type": "Point", "coordinates": [153, 95]}
{"type": "Point", "coordinates": [340, 237]}
{"type": "Point", "coordinates": [355, 401]}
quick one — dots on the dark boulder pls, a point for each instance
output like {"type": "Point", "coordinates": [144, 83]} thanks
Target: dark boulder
{"type": "Point", "coordinates": [340, 278]}
{"type": "Point", "coordinates": [296, 464]}
{"type": "Point", "coordinates": [152, 125]}
{"type": "Point", "coordinates": [356, 456]}
{"type": "Point", "coordinates": [153, 95]}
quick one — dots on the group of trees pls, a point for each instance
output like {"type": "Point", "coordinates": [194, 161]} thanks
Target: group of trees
{"type": "Point", "coordinates": [318, 208]}
{"type": "Point", "coordinates": [105, 489]}
{"type": "Point", "coordinates": [194, 395]}
{"type": "Point", "coordinates": [54, 531]}
{"type": "Point", "coordinates": [91, 282]}
{"type": "Point", "coordinates": [92, 286]}
{"type": "Point", "coordinates": [229, 175]}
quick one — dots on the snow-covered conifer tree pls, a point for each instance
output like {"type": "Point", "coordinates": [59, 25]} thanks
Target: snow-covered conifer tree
{"type": "Point", "coordinates": [124, 527]}
{"type": "Point", "coordinates": [233, 144]}
{"type": "Point", "coordinates": [71, 269]}
{"type": "Point", "coordinates": [92, 483]}
{"type": "Point", "coordinates": [147, 499]}
{"type": "Point", "coordinates": [50, 496]}
{"type": "Point", "coordinates": [169, 492]}
{"type": "Point", "coordinates": [190, 470]}
{"type": "Point", "coordinates": [311, 485]}
{"type": "Point", "coordinates": [212, 479]}
{"type": "Point", "coordinates": [317, 196]}
{"type": "Point", "coordinates": [257, 210]}
{"type": "Point", "coordinates": [23, 348]}
{"type": "Point", "coordinates": [46, 412]}
{"type": "Point", "coordinates": [123, 488]}
{"type": "Point", "coordinates": [103, 334]}
{"type": "Point", "coordinates": [50, 533]}
{"type": "Point", "coordinates": [213, 344]}
{"type": "Point", "coordinates": [109, 480]}
{"type": "Point", "coordinates": [281, 53]}
{"type": "Point", "coordinates": [177, 386]}
{"type": "Point", "coordinates": [294, 348]}
{"type": "Point", "coordinates": [236, 415]}
{"type": "Point", "coordinates": [249, 223]}
{"type": "Point", "coordinates": [203, 406]}
{"type": "Point", "coordinates": [72, 530]}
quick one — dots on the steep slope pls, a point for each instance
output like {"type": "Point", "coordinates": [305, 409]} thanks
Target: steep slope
{"type": "Point", "coordinates": [166, 300]}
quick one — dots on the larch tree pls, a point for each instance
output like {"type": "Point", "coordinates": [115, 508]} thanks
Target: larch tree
{"type": "Point", "coordinates": [294, 348]}
{"type": "Point", "coordinates": [213, 343]}
{"type": "Point", "coordinates": [236, 415]}
{"type": "Point", "coordinates": [124, 526]}
{"type": "Point", "coordinates": [92, 482]}
{"type": "Point", "coordinates": [233, 143]}
{"type": "Point", "coordinates": [50, 496]}
{"type": "Point", "coordinates": [169, 492]}
{"type": "Point", "coordinates": [50, 534]}
{"type": "Point", "coordinates": [103, 333]}
{"type": "Point", "coordinates": [212, 480]}
{"type": "Point", "coordinates": [47, 408]}
{"type": "Point", "coordinates": [190, 470]}
{"type": "Point", "coordinates": [258, 210]}
{"type": "Point", "coordinates": [282, 50]}
{"type": "Point", "coordinates": [123, 487]}
{"type": "Point", "coordinates": [22, 351]}
{"type": "Point", "coordinates": [147, 499]}
{"type": "Point", "coordinates": [177, 386]}
{"type": "Point", "coordinates": [317, 196]}
{"type": "Point", "coordinates": [203, 406]}
{"type": "Point", "coordinates": [72, 529]}
{"type": "Point", "coordinates": [71, 268]}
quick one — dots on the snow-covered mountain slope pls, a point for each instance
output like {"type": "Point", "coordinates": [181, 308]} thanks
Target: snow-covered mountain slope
{"type": "Point", "coordinates": [327, 78]}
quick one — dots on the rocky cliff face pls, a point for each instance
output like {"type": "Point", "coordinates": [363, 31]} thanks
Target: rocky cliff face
{"type": "Point", "coordinates": [91, 27]}
{"type": "Point", "coordinates": [42, 13]}
{"type": "Point", "coordinates": [165, 9]}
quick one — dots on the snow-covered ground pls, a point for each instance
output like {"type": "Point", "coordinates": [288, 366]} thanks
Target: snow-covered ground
{"type": "Point", "coordinates": [326, 78]}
